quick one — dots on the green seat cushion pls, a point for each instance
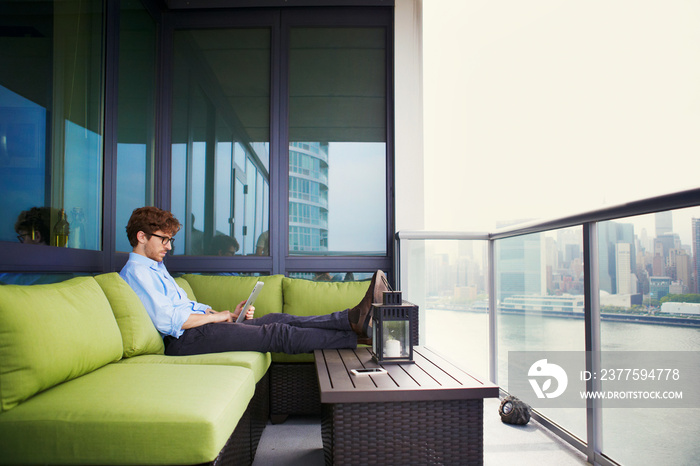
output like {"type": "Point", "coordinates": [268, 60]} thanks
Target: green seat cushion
{"type": "Point", "coordinates": [139, 335]}
{"type": "Point", "coordinates": [256, 362]}
{"type": "Point", "coordinates": [130, 414]}
{"type": "Point", "coordinates": [51, 334]}
{"type": "Point", "coordinates": [307, 298]}
{"type": "Point", "coordinates": [224, 292]}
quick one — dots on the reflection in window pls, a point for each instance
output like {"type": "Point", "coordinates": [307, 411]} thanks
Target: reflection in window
{"type": "Point", "coordinates": [136, 132]}
{"type": "Point", "coordinates": [337, 148]}
{"type": "Point", "coordinates": [51, 124]}
{"type": "Point", "coordinates": [332, 276]}
{"type": "Point", "coordinates": [220, 141]}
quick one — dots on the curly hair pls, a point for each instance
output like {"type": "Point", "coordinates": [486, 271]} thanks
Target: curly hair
{"type": "Point", "coordinates": [33, 220]}
{"type": "Point", "coordinates": [150, 219]}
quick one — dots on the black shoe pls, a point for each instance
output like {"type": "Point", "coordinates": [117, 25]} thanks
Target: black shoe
{"type": "Point", "coordinates": [360, 315]}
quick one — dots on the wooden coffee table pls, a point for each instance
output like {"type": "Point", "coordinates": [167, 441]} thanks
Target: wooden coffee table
{"type": "Point", "coordinates": [430, 412]}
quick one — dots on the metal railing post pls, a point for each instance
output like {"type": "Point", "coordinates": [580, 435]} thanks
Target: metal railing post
{"type": "Point", "coordinates": [592, 337]}
{"type": "Point", "coordinates": [493, 334]}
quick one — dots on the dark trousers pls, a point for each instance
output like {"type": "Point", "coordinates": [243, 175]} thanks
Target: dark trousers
{"type": "Point", "coordinates": [283, 333]}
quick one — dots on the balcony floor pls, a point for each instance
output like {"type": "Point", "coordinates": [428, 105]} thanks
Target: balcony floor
{"type": "Point", "coordinates": [298, 442]}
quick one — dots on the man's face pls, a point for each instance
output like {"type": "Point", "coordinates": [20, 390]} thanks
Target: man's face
{"type": "Point", "coordinates": [154, 248]}
{"type": "Point", "coordinates": [29, 237]}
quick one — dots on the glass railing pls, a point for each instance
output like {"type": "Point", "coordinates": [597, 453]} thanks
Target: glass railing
{"type": "Point", "coordinates": [616, 282]}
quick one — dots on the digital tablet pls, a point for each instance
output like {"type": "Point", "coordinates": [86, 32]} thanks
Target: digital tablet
{"type": "Point", "coordinates": [249, 302]}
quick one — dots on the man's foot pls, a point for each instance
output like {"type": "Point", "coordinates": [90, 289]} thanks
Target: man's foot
{"type": "Point", "coordinates": [364, 341]}
{"type": "Point", "coordinates": [360, 315]}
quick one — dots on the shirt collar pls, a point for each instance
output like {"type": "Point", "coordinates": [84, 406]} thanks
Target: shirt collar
{"type": "Point", "coordinates": [138, 258]}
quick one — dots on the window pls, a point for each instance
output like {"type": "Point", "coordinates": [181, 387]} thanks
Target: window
{"type": "Point", "coordinates": [51, 132]}
{"type": "Point", "coordinates": [220, 187]}
{"type": "Point", "coordinates": [136, 107]}
{"type": "Point", "coordinates": [337, 141]}
{"type": "Point", "coordinates": [267, 132]}
{"type": "Point", "coordinates": [279, 139]}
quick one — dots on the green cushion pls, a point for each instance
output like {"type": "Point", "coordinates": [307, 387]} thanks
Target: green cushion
{"type": "Point", "coordinates": [257, 362]}
{"type": "Point", "coordinates": [139, 335]}
{"type": "Point", "coordinates": [224, 292]}
{"type": "Point", "coordinates": [130, 414]}
{"type": "Point", "coordinates": [185, 285]}
{"type": "Point", "coordinates": [53, 333]}
{"type": "Point", "coordinates": [307, 298]}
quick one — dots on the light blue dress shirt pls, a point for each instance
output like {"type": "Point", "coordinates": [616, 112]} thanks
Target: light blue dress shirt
{"type": "Point", "coordinates": [166, 303]}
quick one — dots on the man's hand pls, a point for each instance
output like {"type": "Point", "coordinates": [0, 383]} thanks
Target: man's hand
{"type": "Point", "coordinates": [249, 315]}
{"type": "Point", "coordinates": [209, 317]}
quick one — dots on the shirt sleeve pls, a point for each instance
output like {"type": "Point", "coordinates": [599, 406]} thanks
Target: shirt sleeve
{"type": "Point", "coordinates": [194, 304]}
{"type": "Point", "coordinates": [168, 317]}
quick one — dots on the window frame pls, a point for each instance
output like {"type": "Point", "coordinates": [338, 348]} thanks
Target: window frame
{"type": "Point", "coordinates": [19, 258]}
{"type": "Point", "coordinates": [280, 22]}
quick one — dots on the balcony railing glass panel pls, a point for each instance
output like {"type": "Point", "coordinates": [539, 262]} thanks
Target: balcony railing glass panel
{"type": "Point", "coordinates": [447, 279]}
{"type": "Point", "coordinates": [539, 295]}
{"type": "Point", "coordinates": [648, 272]}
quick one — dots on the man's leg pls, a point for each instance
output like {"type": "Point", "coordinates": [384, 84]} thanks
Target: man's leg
{"type": "Point", "coordinates": [356, 319]}
{"type": "Point", "coordinates": [274, 337]}
{"type": "Point", "coordinates": [334, 321]}
{"type": "Point", "coordinates": [285, 332]}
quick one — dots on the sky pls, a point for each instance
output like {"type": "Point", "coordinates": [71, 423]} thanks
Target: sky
{"type": "Point", "coordinates": [543, 108]}
{"type": "Point", "coordinates": [356, 197]}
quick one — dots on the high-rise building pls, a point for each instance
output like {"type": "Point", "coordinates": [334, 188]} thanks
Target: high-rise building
{"type": "Point", "coordinates": [659, 287]}
{"type": "Point", "coordinates": [664, 245]}
{"type": "Point", "coordinates": [521, 266]}
{"type": "Point", "coordinates": [664, 222]}
{"type": "Point", "coordinates": [696, 254]}
{"type": "Point", "coordinates": [609, 234]}
{"type": "Point", "coordinates": [623, 268]}
{"type": "Point", "coordinates": [308, 196]}
{"type": "Point", "coordinates": [684, 270]}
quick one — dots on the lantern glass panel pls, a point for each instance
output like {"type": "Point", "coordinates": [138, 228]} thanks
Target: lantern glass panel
{"type": "Point", "coordinates": [396, 335]}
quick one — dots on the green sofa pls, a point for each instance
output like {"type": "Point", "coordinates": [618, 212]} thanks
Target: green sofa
{"type": "Point", "coordinates": [83, 377]}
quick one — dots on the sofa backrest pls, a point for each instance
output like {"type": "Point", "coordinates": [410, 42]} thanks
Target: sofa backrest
{"type": "Point", "coordinates": [306, 298]}
{"type": "Point", "coordinates": [53, 333]}
{"type": "Point", "coordinates": [139, 335]}
{"type": "Point", "coordinates": [224, 292]}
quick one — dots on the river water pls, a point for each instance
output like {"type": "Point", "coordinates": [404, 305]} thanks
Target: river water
{"type": "Point", "coordinates": [631, 436]}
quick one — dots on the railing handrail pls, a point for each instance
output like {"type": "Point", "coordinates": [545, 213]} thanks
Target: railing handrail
{"type": "Point", "coordinates": [678, 200]}
{"type": "Point", "coordinates": [442, 235]}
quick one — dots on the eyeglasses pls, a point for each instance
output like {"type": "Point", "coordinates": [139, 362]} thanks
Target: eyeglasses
{"type": "Point", "coordinates": [31, 234]}
{"type": "Point", "coordinates": [165, 239]}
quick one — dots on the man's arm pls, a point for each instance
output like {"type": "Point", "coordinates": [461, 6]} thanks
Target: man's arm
{"type": "Point", "coordinates": [211, 317]}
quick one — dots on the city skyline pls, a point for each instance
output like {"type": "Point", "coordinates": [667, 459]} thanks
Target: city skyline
{"type": "Point", "coordinates": [626, 260]}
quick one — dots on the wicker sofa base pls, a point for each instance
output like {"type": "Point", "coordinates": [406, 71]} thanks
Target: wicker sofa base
{"type": "Point", "coordinates": [419, 432]}
{"type": "Point", "coordinates": [293, 390]}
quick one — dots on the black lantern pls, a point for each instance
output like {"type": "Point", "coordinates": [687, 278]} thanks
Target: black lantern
{"type": "Point", "coordinates": [394, 329]}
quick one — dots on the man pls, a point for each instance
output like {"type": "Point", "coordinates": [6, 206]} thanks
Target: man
{"type": "Point", "coordinates": [32, 226]}
{"type": "Point", "coordinates": [190, 327]}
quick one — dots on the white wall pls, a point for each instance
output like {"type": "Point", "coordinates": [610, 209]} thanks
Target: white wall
{"type": "Point", "coordinates": [542, 108]}
{"type": "Point", "coordinates": [408, 97]}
